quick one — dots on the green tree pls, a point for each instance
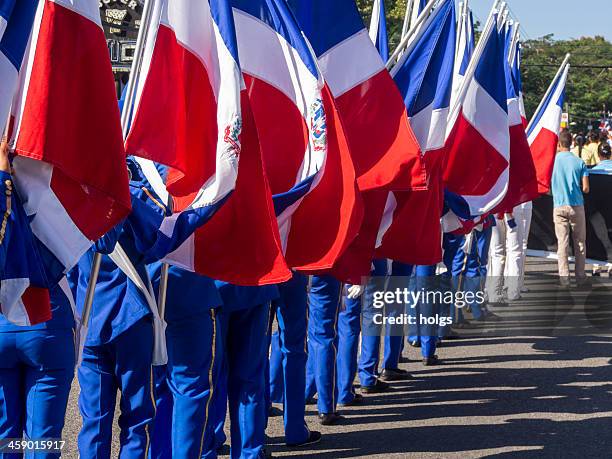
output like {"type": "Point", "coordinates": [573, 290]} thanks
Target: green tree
{"type": "Point", "coordinates": [589, 90]}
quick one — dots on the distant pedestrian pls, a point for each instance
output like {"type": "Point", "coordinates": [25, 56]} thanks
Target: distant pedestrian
{"type": "Point", "coordinates": [570, 180]}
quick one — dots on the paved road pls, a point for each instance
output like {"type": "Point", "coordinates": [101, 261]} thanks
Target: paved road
{"type": "Point", "coordinates": [495, 396]}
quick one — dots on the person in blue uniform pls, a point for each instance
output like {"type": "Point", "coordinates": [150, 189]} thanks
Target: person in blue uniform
{"type": "Point", "coordinates": [184, 387]}
{"type": "Point", "coordinates": [427, 335]}
{"type": "Point", "coordinates": [36, 362]}
{"type": "Point", "coordinates": [371, 380]}
{"type": "Point", "coordinates": [287, 370]}
{"type": "Point", "coordinates": [349, 330]}
{"type": "Point", "coordinates": [244, 320]}
{"type": "Point", "coordinates": [323, 309]}
{"type": "Point", "coordinates": [118, 349]}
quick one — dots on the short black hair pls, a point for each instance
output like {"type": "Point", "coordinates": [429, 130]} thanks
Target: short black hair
{"type": "Point", "coordinates": [565, 139]}
{"type": "Point", "coordinates": [604, 150]}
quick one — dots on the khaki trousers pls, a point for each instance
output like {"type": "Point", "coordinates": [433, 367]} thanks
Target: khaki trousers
{"type": "Point", "coordinates": [566, 217]}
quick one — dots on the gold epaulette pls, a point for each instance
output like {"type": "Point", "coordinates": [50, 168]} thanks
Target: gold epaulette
{"type": "Point", "coordinates": [7, 213]}
{"type": "Point", "coordinates": [155, 201]}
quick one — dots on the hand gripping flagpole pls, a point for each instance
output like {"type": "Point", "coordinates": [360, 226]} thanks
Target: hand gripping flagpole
{"type": "Point", "coordinates": [97, 259]}
{"type": "Point", "coordinates": [411, 33]}
{"type": "Point", "coordinates": [550, 88]}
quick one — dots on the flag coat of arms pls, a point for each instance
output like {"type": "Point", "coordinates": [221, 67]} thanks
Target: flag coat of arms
{"type": "Point", "coordinates": [543, 131]}
{"type": "Point", "coordinates": [478, 155]}
{"type": "Point", "coordinates": [306, 155]}
{"type": "Point", "coordinates": [70, 169]}
{"type": "Point", "coordinates": [190, 86]}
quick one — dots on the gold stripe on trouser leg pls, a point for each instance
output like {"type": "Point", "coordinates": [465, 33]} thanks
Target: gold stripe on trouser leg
{"type": "Point", "coordinates": [213, 316]}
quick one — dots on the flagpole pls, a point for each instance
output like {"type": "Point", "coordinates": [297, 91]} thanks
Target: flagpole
{"type": "Point", "coordinates": [550, 88]}
{"type": "Point", "coordinates": [515, 39]}
{"type": "Point", "coordinates": [413, 30]}
{"type": "Point", "coordinates": [97, 259]}
{"type": "Point", "coordinates": [469, 74]}
{"type": "Point", "coordinates": [136, 64]}
{"type": "Point", "coordinates": [406, 24]}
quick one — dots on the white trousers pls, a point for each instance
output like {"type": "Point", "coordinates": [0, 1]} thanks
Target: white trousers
{"type": "Point", "coordinates": [507, 254]}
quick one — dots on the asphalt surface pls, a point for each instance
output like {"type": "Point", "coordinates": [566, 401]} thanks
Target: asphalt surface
{"type": "Point", "coordinates": [537, 384]}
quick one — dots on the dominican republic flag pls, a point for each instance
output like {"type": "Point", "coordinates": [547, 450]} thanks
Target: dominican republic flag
{"type": "Point", "coordinates": [383, 147]}
{"type": "Point", "coordinates": [518, 79]}
{"type": "Point", "coordinates": [192, 115]}
{"type": "Point", "coordinates": [70, 169]}
{"type": "Point", "coordinates": [405, 225]}
{"type": "Point", "coordinates": [477, 168]}
{"type": "Point", "coordinates": [378, 29]}
{"type": "Point", "coordinates": [24, 293]}
{"type": "Point", "coordinates": [424, 76]}
{"type": "Point", "coordinates": [522, 179]}
{"type": "Point", "coordinates": [543, 131]}
{"type": "Point", "coordinates": [306, 154]}
{"type": "Point", "coordinates": [465, 50]}
{"type": "Point", "coordinates": [16, 19]}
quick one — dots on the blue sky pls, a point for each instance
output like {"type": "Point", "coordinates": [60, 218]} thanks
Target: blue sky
{"type": "Point", "coordinates": [564, 18]}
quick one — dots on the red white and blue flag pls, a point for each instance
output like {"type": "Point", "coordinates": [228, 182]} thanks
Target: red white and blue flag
{"type": "Point", "coordinates": [543, 131]}
{"type": "Point", "coordinates": [424, 76]}
{"type": "Point", "coordinates": [70, 166]}
{"type": "Point", "coordinates": [383, 147]}
{"type": "Point", "coordinates": [191, 113]}
{"type": "Point", "coordinates": [16, 19]}
{"type": "Point", "coordinates": [522, 180]}
{"type": "Point", "coordinates": [24, 286]}
{"type": "Point", "coordinates": [306, 155]}
{"type": "Point", "coordinates": [465, 50]}
{"type": "Point", "coordinates": [477, 168]}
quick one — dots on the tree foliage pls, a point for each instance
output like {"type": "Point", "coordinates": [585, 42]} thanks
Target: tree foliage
{"type": "Point", "coordinates": [588, 90]}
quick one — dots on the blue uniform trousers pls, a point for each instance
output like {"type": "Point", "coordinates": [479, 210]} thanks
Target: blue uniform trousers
{"type": "Point", "coordinates": [370, 340]}
{"type": "Point", "coordinates": [186, 385]}
{"type": "Point", "coordinates": [323, 307]}
{"type": "Point", "coordinates": [161, 429]}
{"type": "Point", "coordinates": [36, 371]}
{"type": "Point", "coordinates": [425, 281]}
{"type": "Point", "coordinates": [349, 328]}
{"type": "Point", "coordinates": [122, 364]}
{"type": "Point", "coordinates": [287, 370]}
{"type": "Point", "coordinates": [241, 383]}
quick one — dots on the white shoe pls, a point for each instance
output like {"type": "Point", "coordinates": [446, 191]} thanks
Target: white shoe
{"type": "Point", "coordinates": [525, 290]}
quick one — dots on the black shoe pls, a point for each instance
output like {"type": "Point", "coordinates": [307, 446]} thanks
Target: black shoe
{"type": "Point", "coordinates": [416, 343]}
{"type": "Point", "coordinates": [274, 412]}
{"type": "Point", "coordinates": [313, 437]}
{"type": "Point", "coordinates": [404, 359]}
{"type": "Point", "coordinates": [377, 388]}
{"type": "Point", "coordinates": [357, 400]}
{"type": "Point", "coordinates": [329, 419]}
{"type": "Point", "coordinates": [223, 450]}
{"type": "Point", "coordinates": [394, 374]}
{"type": "Point", "coordinates": [431, 361]}
{"type": "Point", "coordinates": [265, 454]}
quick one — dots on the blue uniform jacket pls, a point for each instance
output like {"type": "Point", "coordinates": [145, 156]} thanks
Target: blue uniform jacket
{"type": "Point", "coordinates": [63, 317]}
{"type": "Point", "coordinates": [118, 302]}
{"type": "Point", "coordinates": [188, 294]}
{"type": "Point", "coordinates": [237, 298]}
